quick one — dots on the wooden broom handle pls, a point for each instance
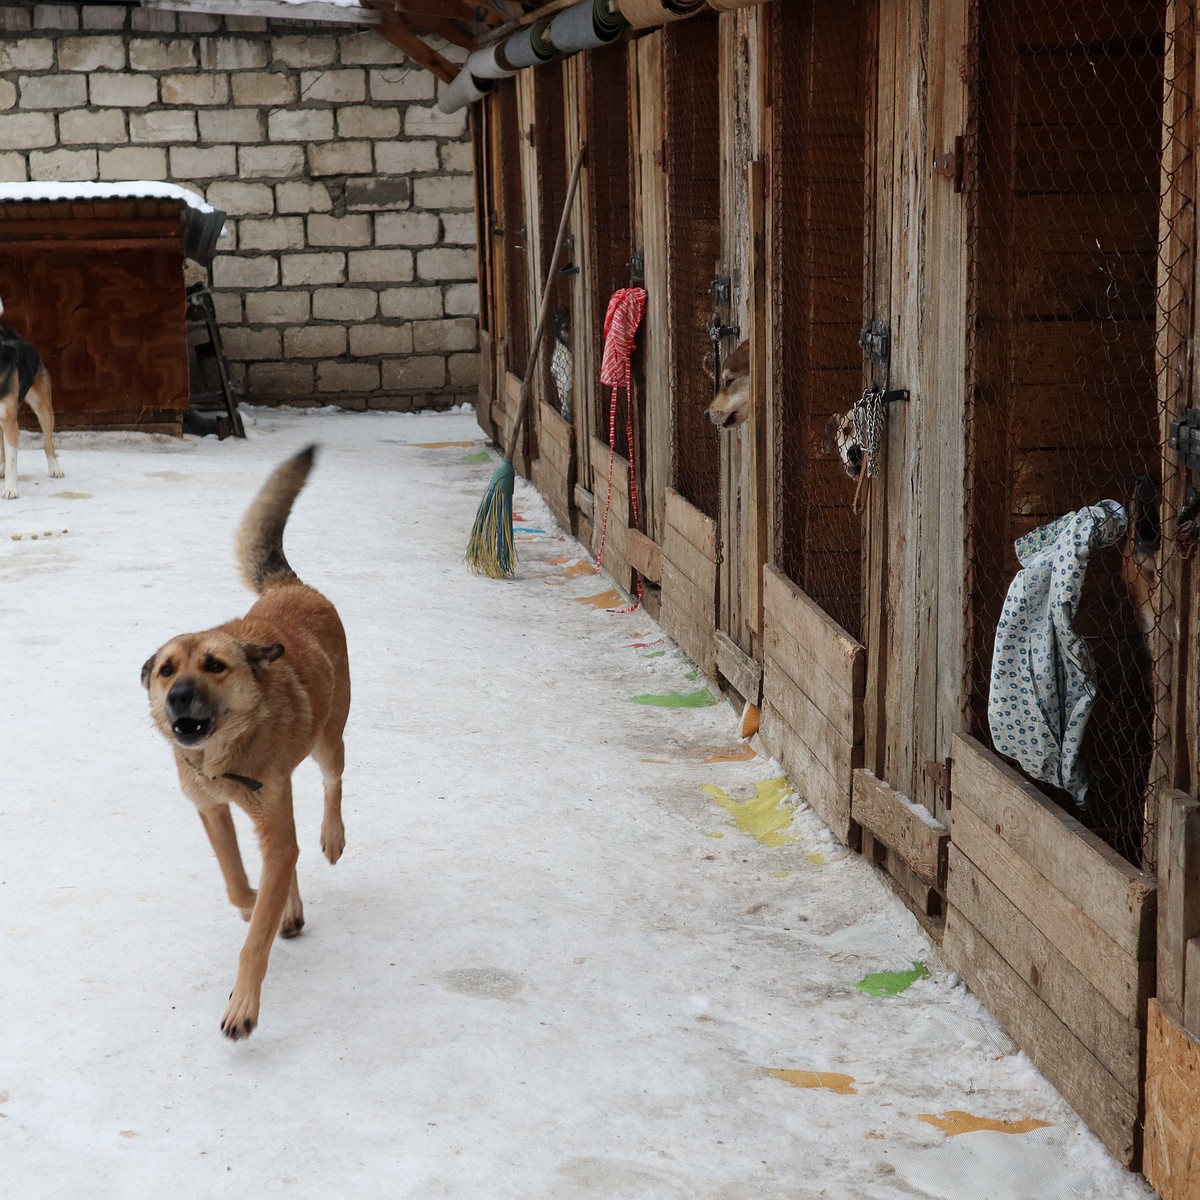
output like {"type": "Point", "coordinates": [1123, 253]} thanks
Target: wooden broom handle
{"type": "Point", "coordinates": [544, 310]}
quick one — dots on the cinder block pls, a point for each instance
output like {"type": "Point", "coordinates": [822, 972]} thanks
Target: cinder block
{"type": "Point", "coordinates": [457, 158]}
{"type": "Point", "coordinates": [381, 192]}
{"type": "Point", "coordinates": [304, 51]}
{"type": "Point", "coordinates": [370, 340]}
{"type": "Point", "coordinates": [8, 94]}
{"type": "Point", "coordinates": [196, 22]}
{"type": "Point", "coordinates": [411, 303]}
{"type": "Point", "coordinates": [25, 131]}
{"type": "Point", "coordinates": [461, 299]}
{"type": "Point", "coordinates": [262, 87]}
{"type": "Point", "coordinates": [104, 126]}
{"type": "Point", "coordinates": [380, 266]}
{"type": "Point", "coordinates": [246, 24]}
{"type": "Point", "coordinates": [63, 164]}
{"type": "Point", "coordinates": [13, 168]}
{"type": "Point", "coordinates": [300, 125]}
{"type": "Point", "coordinates": [428, 121]}
{"type": "Point", "coordinates": [314, 341]}
{"type": "Point", "coordinates": [234, 271]}
{"type": "Point", "coordinates": [280, 381]}
{"type": "Point", "coordinates": [364, 121]}
{"type": "Point", "coordinates": [213, 162]}
{"type": "Point", "coordinates": [442, 337]}
{"type": "Point", "coordinates": [242, 199]}
{"type": "Point", "coordinates": [15, 20]}
{"type": "Point", "coordinates": [458, 229]}
{"type": "Point", "coordinates": [401, 82]}
{"type": "Point", "coordinates": [91, 54]}
{"type": "Point", "coordinates": [53, 91]}
{"type": "Point", "coordinates": [157, 54]}
{"type": "Point", "coordinates": [278, 308]}
{"type": "Point", "coordinates": [26, 54]}
{"type": "Point", "coordinates": [55, 16]}
{"type": "Point", "coordinates": [405, 158]}
{"type": "Point", "coordinates": [133, 162]}
{"type": "Point", "coordinates": [347, 377]}
{"type": "Point", "coordinates": [344, 304]}
{"type": "Point", "coordinates": [344, 86]}
{"type": "Point", "coordinates": [270, 162]}
{"type": "Point", "coordinates": [232, 54]}
{"type": "Point", "coordinates": [406, 229]}
{"type": "Point", "coordinates": [353, 230]}
{"type": "Point", "coordinates": [446, 263]}
{"type": "Point", "coordinates": [368, 50]}
{"type": "Point", "coordinates": [122, 90]}
{"type": "Point", "coordinates": [97, 16]}
{"type": "Point", "coordinates": [195, 90]}
{"type": "Point", "coordinates": [163, 125]}
{"type": "Point", "coordinates": [316, 267]}
{"type": "Point", "coordinates": [251, 344]}
{"type": "Point", "coordinates": [151, 20]}
{"type": "Point", "coordinates": [443, 192]}
{"type": "Point", "coordinates": [231, 125]}
{"type": "Point", "coordinates": [417, 373]}
{"type": "Point", "coordinates": [228, 307]}
{"type": "Point", "coordinates": [340, 158]}
{"type": "Point", "coordinates": [463, 369]}
{"type": "Point", "coordinates": [277, 233]}
{"type": "Point", "coordinates": [302, 198]}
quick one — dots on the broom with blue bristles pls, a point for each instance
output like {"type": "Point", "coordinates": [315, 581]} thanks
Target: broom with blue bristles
{"type": "Point", "coordinates": [490, 549]}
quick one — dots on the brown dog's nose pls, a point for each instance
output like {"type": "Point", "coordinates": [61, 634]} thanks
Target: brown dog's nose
{"type": "Point", "coordinates": [181, 695]}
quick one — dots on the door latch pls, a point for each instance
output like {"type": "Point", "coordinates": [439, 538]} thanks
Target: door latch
{"type": "Point", "coordinates": [876, 341]}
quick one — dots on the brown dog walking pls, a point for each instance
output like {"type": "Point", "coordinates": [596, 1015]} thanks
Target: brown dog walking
{"type": "Point", "coordinates": [243, 705]}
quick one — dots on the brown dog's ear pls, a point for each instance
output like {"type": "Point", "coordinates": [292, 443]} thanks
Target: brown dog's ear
{"type": "Point", "coordinates": [261, 654]}
{"type": "Point", "coordinates": [148, 670]}
{"type": "Point", "coordinates": [829, 438]}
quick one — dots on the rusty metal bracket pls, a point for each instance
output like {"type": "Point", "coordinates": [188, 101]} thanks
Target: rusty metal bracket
{"type": "Point", "coordinates": [950, 164]}
{"type": "Point", "coordinates": [939, 772]}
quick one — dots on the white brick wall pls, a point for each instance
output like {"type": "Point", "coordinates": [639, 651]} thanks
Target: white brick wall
{"type": "Point", "coordinates": [348, 269]}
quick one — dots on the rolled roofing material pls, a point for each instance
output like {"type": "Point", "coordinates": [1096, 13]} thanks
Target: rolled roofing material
{"type": "Point", "coordinates": [644, 14]}
{"type": "Point", "coordinates": [729, 5]}
{"type": "Point", "coordinates": [529, 47]}
{"type": "Point", "coordinates": [490, 63]}
{"type": "Point", "coordinates": [586, 26]}
{"type": "Point", "coordinates": [462, 90]}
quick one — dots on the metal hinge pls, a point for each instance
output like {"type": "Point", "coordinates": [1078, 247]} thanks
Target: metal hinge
{"type": "Point", "coordinates": [939, 772]}
{"type": "Point", "coordinates": [637, 268]}
{"type": "Point", "coordinates": [1184, 438]}
{"type": "Point", "coordinates": [876, 341]}
{"type": "Point", "coordinates": [950, 164]}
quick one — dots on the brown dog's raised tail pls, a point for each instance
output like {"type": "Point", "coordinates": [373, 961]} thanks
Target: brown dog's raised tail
{"type": "Point", "coordinates": [259, 542]}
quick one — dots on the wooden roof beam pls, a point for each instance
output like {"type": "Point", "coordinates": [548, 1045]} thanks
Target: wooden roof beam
{"type": "Point", "coordinates": [405, 40]}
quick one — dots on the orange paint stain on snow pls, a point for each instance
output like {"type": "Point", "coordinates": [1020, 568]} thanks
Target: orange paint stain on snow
{"type": "Point", "coordinates": [829, 1081]}
{"type": "Point", "coordinates": [579, 568]}
{"type": "Point", "coordinates": [954, 1122]}
{"type": "Point", "coordinates": [743, 753]}
{"type": "Point", "coordinates": [609, 599]}
{"type": "Point", "coordinates": [441, 445]}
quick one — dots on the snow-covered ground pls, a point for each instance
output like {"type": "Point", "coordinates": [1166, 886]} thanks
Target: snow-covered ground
{"type": "Point", "coordinates": [580, 945]}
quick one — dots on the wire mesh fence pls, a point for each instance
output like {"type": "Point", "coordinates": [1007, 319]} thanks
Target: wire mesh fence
{"type": "Point", "coordinates": [1066, 298]}
{"type": "Point", "coordinates": [691, 52]}
{"type": "Point", "coordinates": [513, 229]}
{"type": "Point", "coordinates": [819, 75]}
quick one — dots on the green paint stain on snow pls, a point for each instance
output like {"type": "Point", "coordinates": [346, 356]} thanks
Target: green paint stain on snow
{"type": "Point", "coordinates": [692, 676]}
{"type": "Point", "coordinates": [482, 456]}
{"type": "Point", "coordinates": [763, 815]}
{"type": "Point", "coordinates": [701, 699]}
{"type": "Point", "coordinates": [892, 983]}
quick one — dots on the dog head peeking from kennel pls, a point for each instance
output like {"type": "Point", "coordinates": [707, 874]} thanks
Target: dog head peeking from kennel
{"type": "Point", "coordinates": [731, 405]}
{"type": "Point", "coordinates": [843, 438]}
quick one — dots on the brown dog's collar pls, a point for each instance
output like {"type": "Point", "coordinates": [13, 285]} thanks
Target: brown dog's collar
{"type": "Point", "coordinates": [252, 784]}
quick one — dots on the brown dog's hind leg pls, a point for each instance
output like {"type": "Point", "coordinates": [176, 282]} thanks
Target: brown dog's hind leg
{"type": "Point", "coordinates": [218, 824]}
{"type": "Point", "coordinates": [277, 839]}
{"type": "Point", "coordinates": [40, 398]}
{"type": "Point", "coordinates": [330, 755]}
{"type": "Point", "coordinates": [8, 438]}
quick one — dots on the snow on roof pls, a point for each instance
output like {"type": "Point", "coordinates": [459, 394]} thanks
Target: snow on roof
{"type": "Point", "coordinates": [130, 189]}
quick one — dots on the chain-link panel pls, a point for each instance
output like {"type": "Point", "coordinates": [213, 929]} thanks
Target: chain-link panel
{"type": "Point", "coordinates": [693, 154]}
{"type": "Point", "coordinates": [1066, 299]}
{"type": "Point", "coordinates": [819, 75]}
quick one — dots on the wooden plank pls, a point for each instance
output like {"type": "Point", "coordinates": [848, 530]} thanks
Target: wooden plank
{"type": "Point", "coordinates": [684, 596]}
{"type": "Point", "coordinates": [607, 465]}
{"type": "Point", "coordinates": [1113, 971]}
{"type": "Point", "coordinates": [691, 563]}
{"type": "Point", "coordinates": [584, 501]}
{"type": "Point", "coordinates": [829, 797]}
{"type": "Point", "coordinates": [645, 556]}
{"type": "Point", "coordinates": [692, 525]}
{"type": "Point", "coordinates": [807, 719]}
{"type": "Point", "coordinates": [907, 828]}
{"type": "Point", "coordinates": [1172, 1163]}
{"type": "Point", "coordinates": [1113, 1038]}
{"type": "Point", "coordinates": [555, 428]}
{"type": "Point", "coordinates": [1179, 894]}
{"type": "Point", "coordinates": [830, 646]}
{"type": "Point", "coordinates": [743, 674]}
{"type": "Point", "coordinates": [1093, 877]}
{"type": "Point", "coordinates": [1110, 1110]}
{"type": "Point", "coordinates": [784, 658]}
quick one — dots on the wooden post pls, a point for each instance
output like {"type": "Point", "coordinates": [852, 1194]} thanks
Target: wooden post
{"type": "Point", "coordinates": [1178, 895]}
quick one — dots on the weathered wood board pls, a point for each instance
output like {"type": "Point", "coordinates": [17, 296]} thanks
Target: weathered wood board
{"type": "Point", "coordinates": [918, 839]}
{"type": "Point", "coordinates": [689, 581]}
{"type": "Point", "coordinates": [1172, 1162]}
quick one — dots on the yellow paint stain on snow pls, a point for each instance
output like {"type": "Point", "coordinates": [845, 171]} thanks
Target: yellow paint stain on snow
{"type": "Point", "coordinates": [666, 762]}
{"type": "Point", "coordinates": [955, 1122]}
{"type": "Point", "coordinates": [872, 1136]}
{"type": "Point", "coordinates": [817, 860]}
{"type": "Point", "coordinates": [609, 599]}
{"type": "Point", "coordinates": [830, 1081]}
{"type": "Point", "coordinates": [441, 445]}
{"type": "Point", "coordinates": [743, 753]}
{"type": "Point", "coordinates": [713, 834]}
{"type": "Point", "coordinates": [781, 874]}
{"type": "Point", "coordinates": [762, 816]}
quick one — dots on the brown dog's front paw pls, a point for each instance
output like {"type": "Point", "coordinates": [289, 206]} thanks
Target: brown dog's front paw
{"type": "Point", "coordinates": [333, 841]}
{"type": "Point", "coordinates": [240, 1017]}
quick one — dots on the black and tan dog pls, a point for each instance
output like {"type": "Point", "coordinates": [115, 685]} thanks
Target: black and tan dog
{"type": "Point", "coordinates": [244, 704]}
{"type": "Point", "coordinates": [23, 377]}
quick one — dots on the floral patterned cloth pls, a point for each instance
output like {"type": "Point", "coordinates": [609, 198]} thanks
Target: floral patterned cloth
{"type": "Point", "coordinates": [1043, 680]}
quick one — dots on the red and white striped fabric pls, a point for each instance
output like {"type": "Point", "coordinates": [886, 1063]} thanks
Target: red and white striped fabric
{"type": "Point", "coordinates": [621, 322]}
